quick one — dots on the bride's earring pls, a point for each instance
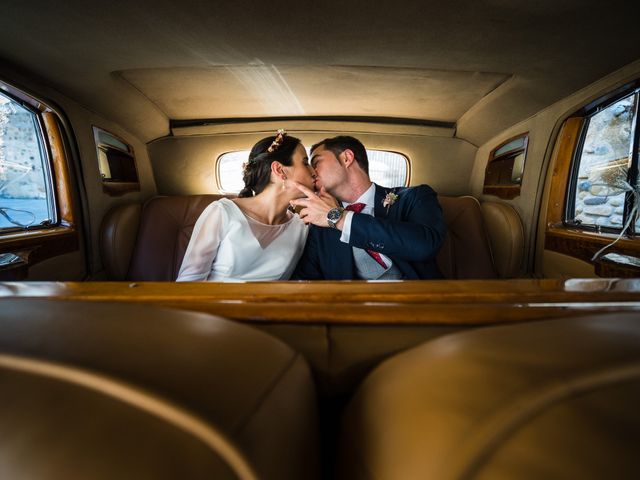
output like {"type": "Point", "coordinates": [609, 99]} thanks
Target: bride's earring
{"type": "Point", "coordinates": [284, 182]}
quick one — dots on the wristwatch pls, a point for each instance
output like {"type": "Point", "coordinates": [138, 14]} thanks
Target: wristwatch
{"type": "Point", "coordinates": [334, 215]}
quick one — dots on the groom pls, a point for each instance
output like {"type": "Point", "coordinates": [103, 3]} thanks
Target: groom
{"type": "Point", "coordinates": [376, 232]}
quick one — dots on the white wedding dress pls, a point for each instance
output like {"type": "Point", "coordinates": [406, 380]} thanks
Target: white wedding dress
{"type": "Point", "coordinates": [227, 245]}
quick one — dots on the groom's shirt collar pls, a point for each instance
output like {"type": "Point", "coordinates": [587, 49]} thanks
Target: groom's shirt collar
{"type": "Point", "coordinates": [368, 198]}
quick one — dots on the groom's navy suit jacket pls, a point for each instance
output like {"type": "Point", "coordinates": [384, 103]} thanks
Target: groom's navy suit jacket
{"type": "Point", "coordinates": [410, 232]}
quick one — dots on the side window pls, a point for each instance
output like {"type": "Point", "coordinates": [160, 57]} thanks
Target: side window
{"type": "Point", "coordinates": [26, 194]}
{"type": "Point", "coordinates": [37, 219]}
{"type": "Point", "coordinates": [594, 192]}
{"type": "Point", "coordinates": [505, 168]}
{"type": "Point", "coordinates": [116, 163]}
{"type": "Point", "coordinates": [603, 184]}
{"type": "Point", "coordinates": [389, 169]}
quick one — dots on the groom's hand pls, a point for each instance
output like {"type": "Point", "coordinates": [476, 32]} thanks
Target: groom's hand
{"type": "Point", "coordinates": [316, 206]}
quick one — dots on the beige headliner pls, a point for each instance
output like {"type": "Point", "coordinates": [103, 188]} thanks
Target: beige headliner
{"type": "Point", "coordinates": [141, 63]}
{"type": "Point", "coordinates": [269, 90]}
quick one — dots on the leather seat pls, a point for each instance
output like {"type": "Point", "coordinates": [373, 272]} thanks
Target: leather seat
{"type": "Point", "coordinates": [148, 243]}
{"type": "Point", "coordinates": [506, 237]}
{"type": "Point", "coordinates": [108, 391]}
{"type": "Point", "coordinates": [550, 399]}
{"type": "Point", "coordinates": [466, 251]}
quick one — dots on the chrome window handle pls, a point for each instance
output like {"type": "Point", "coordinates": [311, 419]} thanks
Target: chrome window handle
{"type": "Point", "coordinates": [627, 260]}
{"type": "Point", "coordinates": [11, 260]}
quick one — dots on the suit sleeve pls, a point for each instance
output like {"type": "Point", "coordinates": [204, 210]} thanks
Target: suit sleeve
{"type": "Point", "coordinates": [308, 267]}
{"type": "Point", "coordinates": [415, 235]}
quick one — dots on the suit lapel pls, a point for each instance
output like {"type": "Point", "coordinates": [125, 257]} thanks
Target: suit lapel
{"type": "Point", "coordinates": [383, 212]}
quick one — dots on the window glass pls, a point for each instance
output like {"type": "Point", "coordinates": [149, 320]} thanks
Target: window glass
{"type": "Point", "coordinates": [230, 171]}
{"type": "Point", "coordinates": [517, 144]}
{"type": "Point", "coordinates": [505, 168]}
{"type": "Point", "coordinates": [604, 162]}
{"type": "Point", "coordinates": [505, 171]}
{"type": "Point", "coordinates": [388, 169]}
{"type": "Point", "coordinates": [26, 198]}
{"type": "Point", "coordinates": [106, 139]}
{"type": "Point", "coordinates": [116, 163]}
{"type": "Point", "coordinates": [636, 196]}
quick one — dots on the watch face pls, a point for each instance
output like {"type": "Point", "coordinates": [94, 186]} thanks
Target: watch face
{"type": "Point", "coordinates": [334, 215]}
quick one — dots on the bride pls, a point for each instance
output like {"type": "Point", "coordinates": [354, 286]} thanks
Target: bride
{"type": "Point", "coordinates": [255, 236]}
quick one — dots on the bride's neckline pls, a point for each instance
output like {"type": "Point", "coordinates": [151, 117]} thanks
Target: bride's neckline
{"type": "Point", "coordinates": [249, 217]}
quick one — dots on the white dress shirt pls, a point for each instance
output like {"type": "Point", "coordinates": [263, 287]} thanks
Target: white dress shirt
{"type": "Point", "coordinates": [368, 198]}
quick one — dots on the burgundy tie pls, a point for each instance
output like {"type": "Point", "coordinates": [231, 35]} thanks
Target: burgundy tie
{"type": "Point", "coordinates": [357, 208]}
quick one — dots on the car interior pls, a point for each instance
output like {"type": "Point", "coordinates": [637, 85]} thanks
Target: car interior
{"type": "Point", "coordinates": [121, 122]}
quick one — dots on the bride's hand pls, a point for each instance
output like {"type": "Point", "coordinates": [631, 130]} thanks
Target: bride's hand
{"type": "Point", "coordinates": [315, 205]}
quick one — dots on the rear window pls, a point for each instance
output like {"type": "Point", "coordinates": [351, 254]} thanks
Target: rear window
{"type": "Point", "coordinates": [388, 169]}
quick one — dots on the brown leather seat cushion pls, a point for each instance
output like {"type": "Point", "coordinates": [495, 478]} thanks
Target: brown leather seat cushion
{"type": "Point", "coordinates": [96, 390]}
{"type": "Point", "coordinates": [550, 399]}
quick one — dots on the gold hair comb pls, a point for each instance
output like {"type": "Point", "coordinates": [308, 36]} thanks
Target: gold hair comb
{"type": "Point", "coordinates": [280, 134]}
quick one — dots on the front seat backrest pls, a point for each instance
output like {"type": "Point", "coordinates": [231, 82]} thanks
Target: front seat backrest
{"type": "Point", "coordinates": [121, 391]}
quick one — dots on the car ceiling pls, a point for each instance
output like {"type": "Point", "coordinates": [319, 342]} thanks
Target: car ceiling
{"type": "Point", "coordinates": [481, 65]}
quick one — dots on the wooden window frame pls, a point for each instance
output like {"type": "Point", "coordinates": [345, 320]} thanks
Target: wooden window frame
{"type": "Point", "coordinates": [571, 239]}
{"type": "Point", "coordinates": [506, 192]}
{"type": "Point", "coordinates": [35, 245]}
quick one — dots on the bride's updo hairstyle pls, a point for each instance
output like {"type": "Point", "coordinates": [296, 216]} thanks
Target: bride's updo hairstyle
{"type": "Point", "coordinates": [257, 170]}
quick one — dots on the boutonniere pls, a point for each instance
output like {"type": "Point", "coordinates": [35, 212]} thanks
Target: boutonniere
{"type": "Point", "coordinates": [389, 200]}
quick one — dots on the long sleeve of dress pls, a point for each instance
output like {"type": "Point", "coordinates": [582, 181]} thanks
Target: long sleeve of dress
{"type": "Point", "coordinates": [203, 246]}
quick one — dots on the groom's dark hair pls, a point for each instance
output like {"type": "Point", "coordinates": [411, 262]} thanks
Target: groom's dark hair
{"type": "Point", "coordinates": [337, 145]}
